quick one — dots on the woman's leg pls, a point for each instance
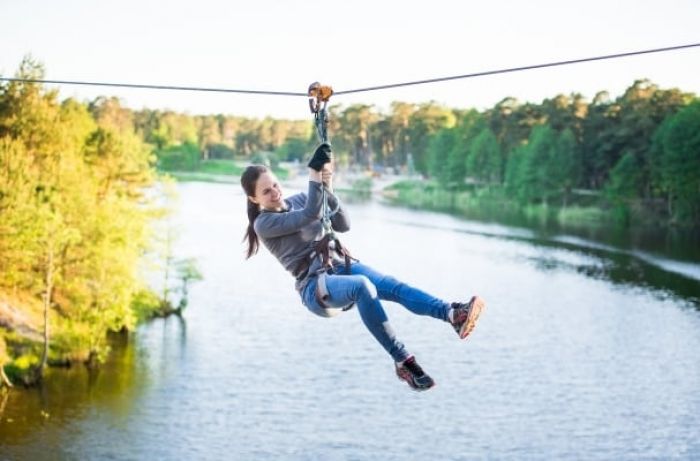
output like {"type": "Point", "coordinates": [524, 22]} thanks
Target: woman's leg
{"type": "Point", "coordinates": [358, 289]}
{"type": "Point", "coordinates": [392, 289]}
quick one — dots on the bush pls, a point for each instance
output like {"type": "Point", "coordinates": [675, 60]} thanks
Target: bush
{"type": "Point", "coordinates": [178, 158]}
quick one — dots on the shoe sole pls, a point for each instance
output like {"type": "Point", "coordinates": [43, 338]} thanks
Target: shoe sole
{"type": "Point", "coordinates": [476, 306]}
{"type": "Point", "coordinates": [418, 389]}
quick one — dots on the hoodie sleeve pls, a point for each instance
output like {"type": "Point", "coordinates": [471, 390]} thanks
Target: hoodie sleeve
{"type": "Point", "coordinates": [340, 221]}
{"type": "Point", "coordinates": [271, 225]}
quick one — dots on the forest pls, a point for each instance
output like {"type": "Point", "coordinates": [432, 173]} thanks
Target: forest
{"type": "Point", "coordinates": [637, 154]}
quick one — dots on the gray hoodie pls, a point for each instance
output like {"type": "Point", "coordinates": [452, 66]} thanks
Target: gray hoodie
{"type": "Point", "coordinates": [290, 234]}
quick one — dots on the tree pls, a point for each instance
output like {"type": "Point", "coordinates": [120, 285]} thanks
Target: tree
{"type": "Point", "coordinates": [399, 119]}
{"type": "Point", "coordinates": [642, 109]}
{"type": "Point", "coordinates": [677, 160]}
{"type": "Point", "coordinates": [566, 164]}
{"type": "Point", "coordinates": [74, 216]}
{"type": "Point", "coordinates": [427, 120]}
{"type": "Point", "coordinates": [293, 149]}
{"type": "Point", "coordinates": [484, 160]}
{"type": "Point", "coordinates": [624, 184]}
{"type": "Point", "coordinates": [531, 171]}
{"type": "Point", "coordinates": [600, 144]}
{"type": "Point", "coordinates": [469, 124]}
{"type": "Point", "coordinates": [439, 148]}
{"type": "Point", "coordinates": [353, 127]}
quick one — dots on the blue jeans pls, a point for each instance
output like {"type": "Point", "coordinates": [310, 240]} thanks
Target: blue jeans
{"type": "Point", "coordinates": [366, 287]}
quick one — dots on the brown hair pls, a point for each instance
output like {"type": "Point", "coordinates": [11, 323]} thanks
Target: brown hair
{"type": "Point", "coordinates": [249, 179]}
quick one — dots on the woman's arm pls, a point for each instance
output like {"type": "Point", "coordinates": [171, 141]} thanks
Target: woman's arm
{"type": "Point", "coordinates": [340, 221]}
{"type": "Point", "coordinates": [270, 225]}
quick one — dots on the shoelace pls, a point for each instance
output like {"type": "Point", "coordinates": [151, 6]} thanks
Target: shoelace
{"type": "Point", "coordinates": [461, 311]}
{"type": "Point", "coordinates": [413, 367]}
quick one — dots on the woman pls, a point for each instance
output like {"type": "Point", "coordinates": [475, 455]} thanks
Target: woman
{"type": "Point", "coordinates": [290, 228]}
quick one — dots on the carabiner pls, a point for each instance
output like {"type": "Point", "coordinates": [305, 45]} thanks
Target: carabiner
{"type": "Point", "coordinates": [318, 98]}
{"type": "Point", "coordinates": [318, 95]}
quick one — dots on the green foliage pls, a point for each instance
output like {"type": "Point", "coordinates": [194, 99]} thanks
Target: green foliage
{"type": "Point", "coordinates": [577, 215]}
{"type": "Point", "coordinates": [677, 158]}
{"type": "Point", "coordinates": [184, 157]}
{"type": "Point", "coordinates": [493, 148]}
{"type": "Point", "coordinates": [224, 167]}
{"type": "Point", "coordinates": [566, 164]}
{"type": "Point", "coordinates": [484, 159]}
{"type": "Point", "coordinates": [624, 179]}
{"type": "Point", "coordinates": [187, 272]}
{"type": "Point", "coordinates": [145, 304]}
{"type": "Point", "coordinates": [532, 170]}
{"type": "Point", "coordinates": [215, 136]}
{"type": "Point", "coordinates": [438, 150]}
{"type": "Point", "coordinates": [20, 366]}
{"type": "Point", "coordinates": [424, 123]}
{"type": "Point", "coordinates": [362, 186]}
{"type": "Point", "coordinates": [221, 151]}
{"type": "Point", "coordinates": [293, 149]}
{"type": "Point", "coordinates": [75, 217]}
{"type": "Point", "coordinates": [269, 159]}
{"type": "Point", "coordinates": [624, 185]}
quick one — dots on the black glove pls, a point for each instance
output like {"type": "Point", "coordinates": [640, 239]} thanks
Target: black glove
{"type": "Point", "coordinates": [322, 156]}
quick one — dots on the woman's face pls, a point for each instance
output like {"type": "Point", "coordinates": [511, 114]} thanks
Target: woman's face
{"type": "Point", "coordinates": [268, 193]}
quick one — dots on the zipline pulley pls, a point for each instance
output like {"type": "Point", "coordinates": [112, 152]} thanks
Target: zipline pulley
{"type": "Point", "coordinates": [318, 99]}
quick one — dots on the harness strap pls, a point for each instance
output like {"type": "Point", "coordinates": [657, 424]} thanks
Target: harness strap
{"type": "Point", "coordinates": [322, 293]}
{"type": "Point", "coordinates": [323, 249]}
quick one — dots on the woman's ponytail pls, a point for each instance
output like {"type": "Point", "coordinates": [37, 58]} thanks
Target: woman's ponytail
{"type": "Point", "coordinates": [250, 235]}
{"type": "Point", "coordinates": [249, 180]}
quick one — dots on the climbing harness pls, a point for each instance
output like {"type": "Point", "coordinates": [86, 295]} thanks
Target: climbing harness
{"type": "Point", "coordinates": [318, 100]}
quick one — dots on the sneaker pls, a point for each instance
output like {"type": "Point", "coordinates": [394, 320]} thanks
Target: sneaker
{"type": "Point", "coordinates": [414, 375]}
{"type": "Point", "coordinates": [465, 315]}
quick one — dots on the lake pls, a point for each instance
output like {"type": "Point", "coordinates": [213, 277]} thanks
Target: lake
{"type": "Point", "coordinates": [586, 351]}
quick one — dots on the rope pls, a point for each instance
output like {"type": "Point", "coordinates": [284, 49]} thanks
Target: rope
{"type": "Point", "coordinates": [519, 69]}
{"type": "Point", "coordinates": [358, 90]}
{"type": "Point", "coordinates": [153, 87]}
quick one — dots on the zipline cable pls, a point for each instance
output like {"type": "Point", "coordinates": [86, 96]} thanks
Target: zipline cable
{"type": "Point", "coordinates": [358, 90]}
{"type": "Point", "coordinates": [153, 87]}
{"type": "Point", "coordinates": [519, 69]}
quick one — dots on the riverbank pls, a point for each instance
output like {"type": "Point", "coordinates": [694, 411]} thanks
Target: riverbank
{"type": "Point", "coordinates": [637, 227]}
{"type": "Point", "coordinates": [70, 342]}
{"type": "Point", "coordinates": [583, 210]}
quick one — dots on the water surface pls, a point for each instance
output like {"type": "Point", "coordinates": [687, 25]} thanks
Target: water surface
{"type": "Point", "coordinates": [586, 351]}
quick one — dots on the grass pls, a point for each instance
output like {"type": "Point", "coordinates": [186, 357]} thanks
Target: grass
{"type": "Point", "coordinates": [223, 167]}
{"type": "Point", "coordinates": [218, 171]}
{"type": "Point", "coordinates": [582, 215]}
{"type": "Point", "coordinates": [494, 204]}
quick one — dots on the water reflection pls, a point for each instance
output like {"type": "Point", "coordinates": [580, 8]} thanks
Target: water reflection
{"type": "Point", "coordinates": [599, 260]}
{"type": "Point", "coordinates": [135, 363]}
{"type": "Point", "coordinates": [70, 393]}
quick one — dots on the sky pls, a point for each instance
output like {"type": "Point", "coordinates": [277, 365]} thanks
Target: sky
{"type": "Point", "coordinates": [285, 45]}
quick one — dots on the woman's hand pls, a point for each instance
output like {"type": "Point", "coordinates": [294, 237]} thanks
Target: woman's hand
{"type": "Point", "coordinates": [322, 155]}
{"type": "Point", "coordinates": [327, 176]}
